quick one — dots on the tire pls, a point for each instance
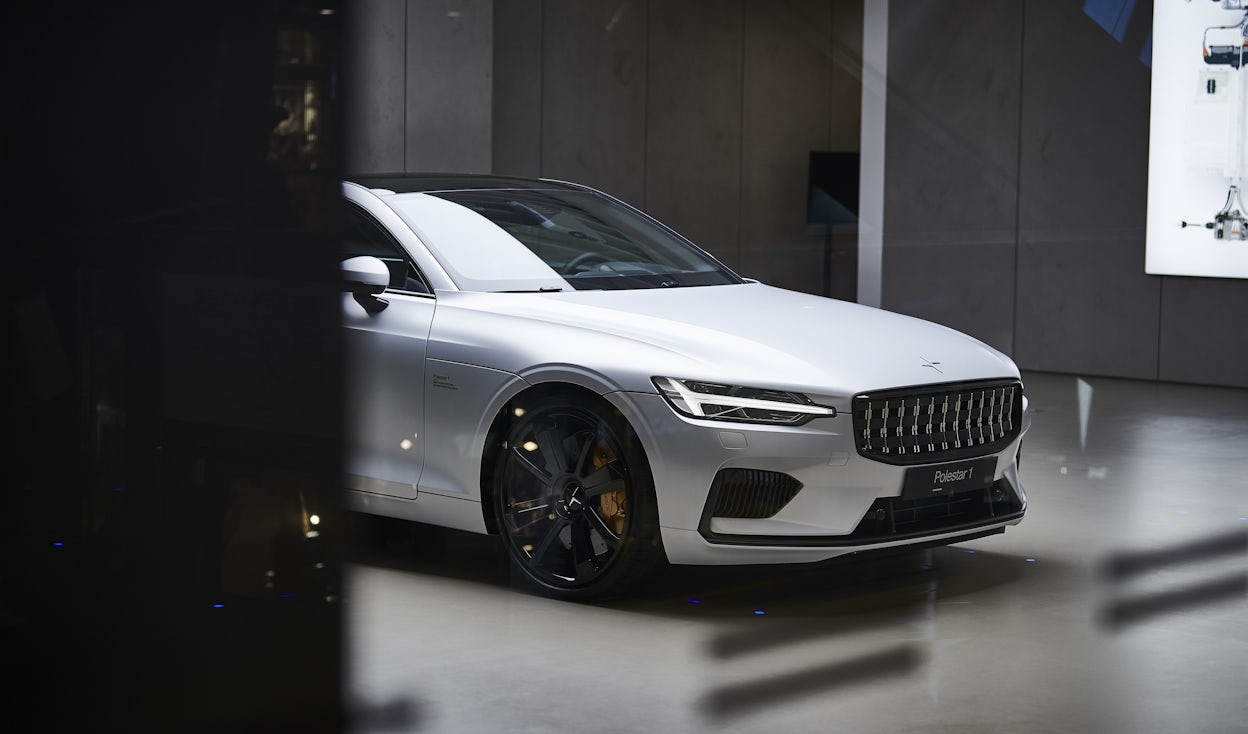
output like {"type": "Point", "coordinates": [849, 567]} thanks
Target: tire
{"type": "Point", "coordinates": [574, 500]}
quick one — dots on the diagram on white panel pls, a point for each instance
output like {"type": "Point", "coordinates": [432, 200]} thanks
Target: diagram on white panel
{"type": "Point", "coordinates": [1198, 153]}
{"type": "Point", "coordinates": [1227, 46]}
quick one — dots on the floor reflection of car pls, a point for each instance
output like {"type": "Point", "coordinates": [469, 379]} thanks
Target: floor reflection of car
{"type": "Point", "coordinates": [540, 361]}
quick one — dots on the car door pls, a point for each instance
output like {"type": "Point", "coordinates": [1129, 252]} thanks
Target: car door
{"type": "Point", "coordinates": [384, 362]}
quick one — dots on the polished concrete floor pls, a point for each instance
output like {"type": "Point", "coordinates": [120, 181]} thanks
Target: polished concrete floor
{"type": "Point", "coordinates": [1120, 604]}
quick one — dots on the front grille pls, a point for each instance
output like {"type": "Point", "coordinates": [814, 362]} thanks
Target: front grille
{"type": "Point", "coordinates": [937, 423]}
{"type": "Point", "coordinates": [751, 493]}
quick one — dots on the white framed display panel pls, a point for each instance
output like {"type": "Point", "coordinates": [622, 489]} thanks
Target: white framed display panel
{"type": "Point", "coordinates": [1198, 140]}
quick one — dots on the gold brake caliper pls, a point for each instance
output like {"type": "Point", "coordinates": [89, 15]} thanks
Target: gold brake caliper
{"type": "Point", "coordinates": [611, 504]}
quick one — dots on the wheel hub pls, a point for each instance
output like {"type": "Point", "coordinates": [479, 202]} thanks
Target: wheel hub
{"type": "Point", "coordinates": [572, 502]}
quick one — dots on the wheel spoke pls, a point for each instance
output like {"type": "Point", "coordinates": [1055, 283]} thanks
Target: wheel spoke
{"type": "Point", "coordinates": [602, 481]}
{"type": "Point", "coordinates": [522, 457]}
{"type": "Point", "coordinates": [548, 541]}
{"type": "Point", "coordinates": [584, 462]}
{"type": "Point", "coordinates": [524, 513]}
{"type": "Point", "coordinates": [550, 443]}
{"type": "Point", "coordinates": [599, 524]}
{"type": "Point", "coordinates": [583, 558]}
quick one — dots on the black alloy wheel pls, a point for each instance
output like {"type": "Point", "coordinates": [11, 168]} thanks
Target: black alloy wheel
{"type": "Point", "coordinates": [574, 500]}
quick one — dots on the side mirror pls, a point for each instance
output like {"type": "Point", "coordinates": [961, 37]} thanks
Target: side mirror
{"type": "Point", "coordinates": [366, 274]}
{"type": "Point", "coordinates": [366, 277]}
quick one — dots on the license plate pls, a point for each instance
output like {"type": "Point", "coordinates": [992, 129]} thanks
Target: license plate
{"type": "Point", "coordinates": [951, 478]}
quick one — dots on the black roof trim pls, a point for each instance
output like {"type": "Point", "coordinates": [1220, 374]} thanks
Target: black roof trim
{"type": "Point", "coordinates": [404, 183]}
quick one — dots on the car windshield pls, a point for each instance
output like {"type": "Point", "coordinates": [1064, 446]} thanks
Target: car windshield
{"type": "Point", "coordinates": [575, 239]}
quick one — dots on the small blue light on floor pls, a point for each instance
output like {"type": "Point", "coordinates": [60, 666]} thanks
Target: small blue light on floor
{"type": "Point", "coordinates": [759, 611]}
{"type": "Point", "coordinates": [218, 605]}
{"type": "Point", "coordinates": [1031, 560]}
{"type": "Point", "coordinates": [58, 544]}
{"type": "Point", "coordinates": [118, 489]}
{"type": "Point", "coordinates": [694, 601]}
{"type": "Point", "coordinates": [968, 550]}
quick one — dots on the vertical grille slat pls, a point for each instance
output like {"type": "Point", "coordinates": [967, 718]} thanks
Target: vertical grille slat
{"type": "Point", "coordinates": [937, 422]}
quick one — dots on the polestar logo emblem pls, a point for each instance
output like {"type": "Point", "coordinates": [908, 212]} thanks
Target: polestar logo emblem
{"type": "Point", "coordinates": [928, 363]}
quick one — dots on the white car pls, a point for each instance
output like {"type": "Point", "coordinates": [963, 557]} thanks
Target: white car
{"type": "Point", "coordinates": [538, 360]}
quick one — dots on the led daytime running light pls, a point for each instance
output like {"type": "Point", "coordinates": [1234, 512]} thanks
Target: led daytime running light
{"type": "Point", "coordinates": [695, 402]}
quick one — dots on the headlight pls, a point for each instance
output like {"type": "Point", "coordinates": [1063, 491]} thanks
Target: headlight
{"type": "Point", "coordinates": [698, 399]}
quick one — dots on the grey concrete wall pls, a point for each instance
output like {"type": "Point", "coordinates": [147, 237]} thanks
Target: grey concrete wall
{"type": "Point", "coordinates": [1016, 192]}
{"type": "Point", "coordinates": [449, 67]}
{"type": "Point", "coordinates": [418, 81]}
{"type": "Point", "coordinates": [1203, 333]}
{"type": "Point", "coordinates": [373, 86]}
{"type": "Point", "coordinates": [517, 101]}
{"type": "Point", "coordinates": [693, 121]}
{"type": "Point", "coordinates": [594, 68]}
{"type": "Point", "coordinates": [1015, 158]}
{"type": "Point", "coordinates": [785, 116]}
{"type": "Point", "coordinates": [951, 165]}
{"type": "Point", "coordinates": [702, 112]}
{"type": "Point", "coordinates": [1084, 302]}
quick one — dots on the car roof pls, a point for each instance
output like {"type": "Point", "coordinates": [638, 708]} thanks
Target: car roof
{"type": "Point", "coordinates": [404, 183]}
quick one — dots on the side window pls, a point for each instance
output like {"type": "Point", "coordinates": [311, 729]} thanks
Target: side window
{"type": "Point", "coordinates": [364, 236]}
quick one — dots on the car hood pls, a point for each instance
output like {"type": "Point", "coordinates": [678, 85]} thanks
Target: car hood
{"type": "Point", "coordinates": [749, 333]}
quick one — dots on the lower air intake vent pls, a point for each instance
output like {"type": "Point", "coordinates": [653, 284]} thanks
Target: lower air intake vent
{"type": "Point", "coordinates": [892, 517]}
{"type": "Point", "coordinates": [752, 493]}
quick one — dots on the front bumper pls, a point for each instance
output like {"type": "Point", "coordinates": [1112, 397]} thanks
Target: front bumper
{"type": "Point", "coordinates": [846, 503]}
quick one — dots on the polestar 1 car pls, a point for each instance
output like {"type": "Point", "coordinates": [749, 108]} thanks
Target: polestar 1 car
{"type": "Point", "coordinates": [540, 361]}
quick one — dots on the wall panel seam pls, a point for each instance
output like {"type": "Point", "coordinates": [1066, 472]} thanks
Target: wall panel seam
{"type": "Point", "coordinates": [1018, 170]}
